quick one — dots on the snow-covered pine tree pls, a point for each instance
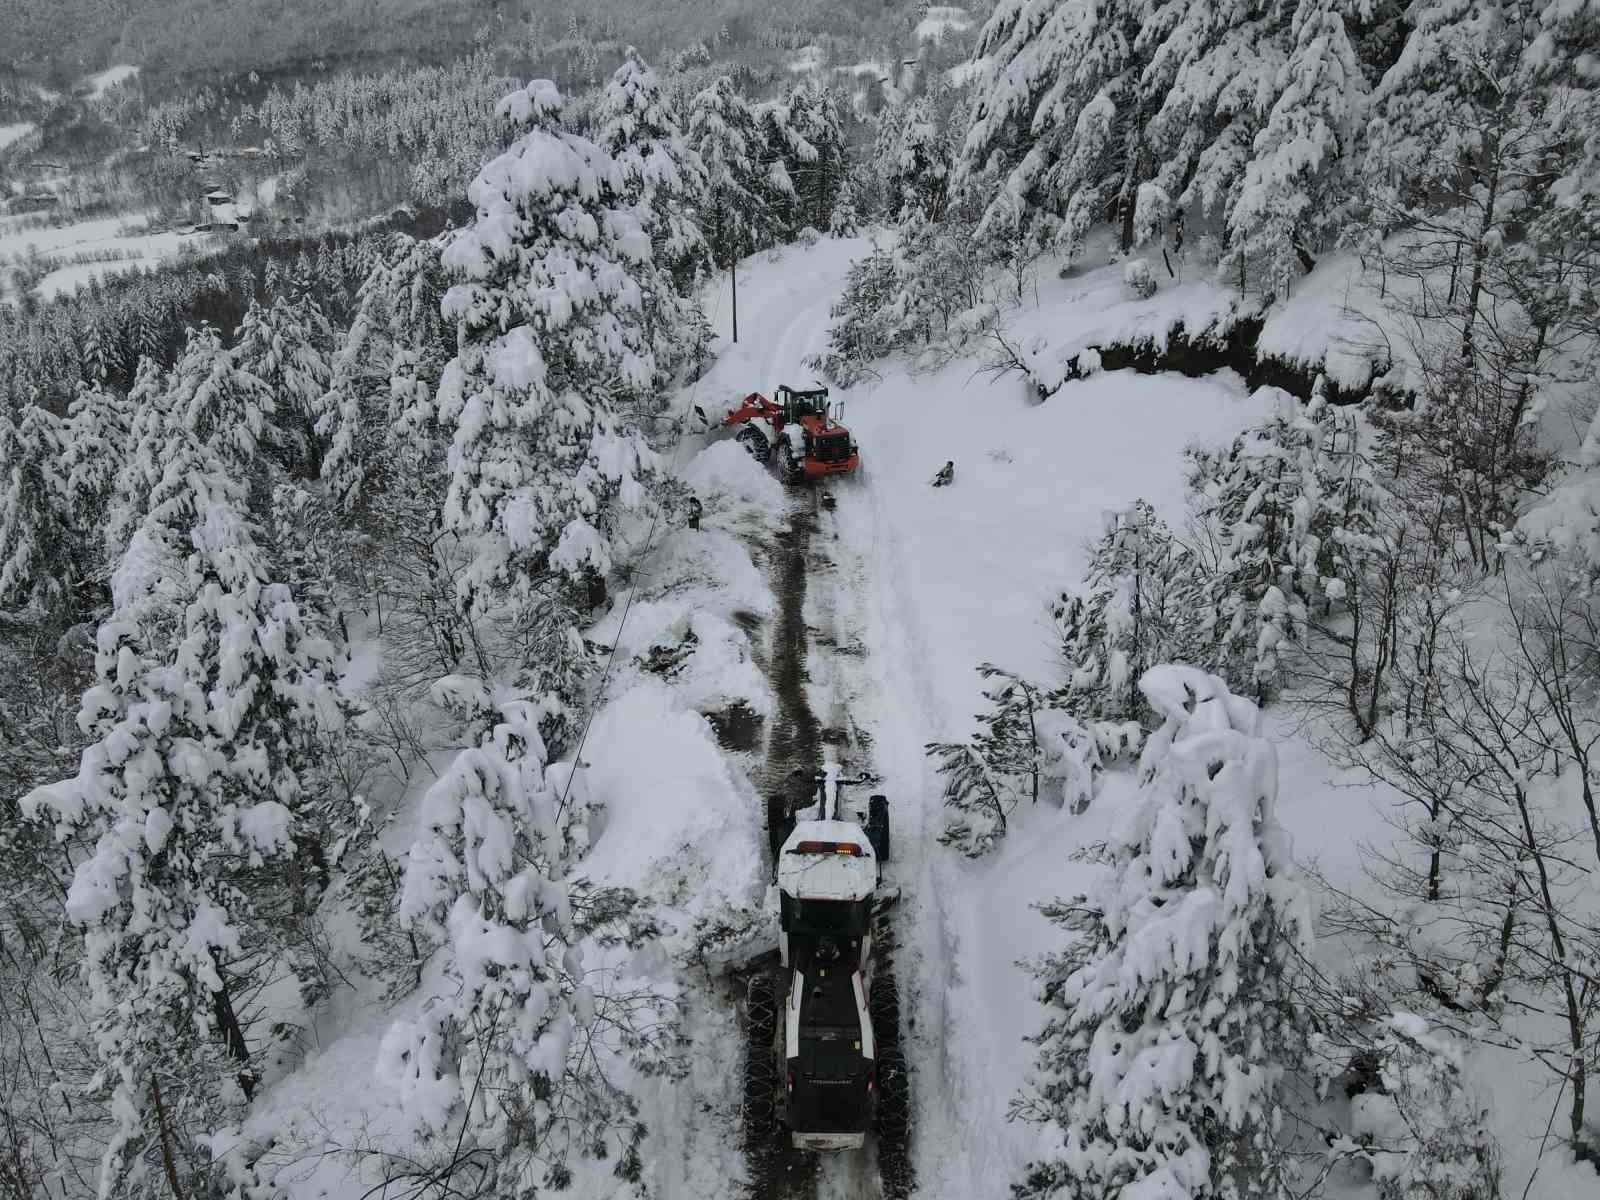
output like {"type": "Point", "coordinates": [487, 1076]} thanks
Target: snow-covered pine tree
{"type": "Point", "coordinates": [139, 468]}
{"type": "Point", "coordinates": [845, 221]}
{"type": "Point", "coordinates": [226, 407]}
{"type": "Point", "coordinates": [1027, 745]}
{"type": "Point", "coordinates": [918, 169]}
{"type": "Point", "coordinates": [1059, 115]}
{"type": "Point", "coordinates": [943, 276]}
{"type": "Point", "coordinates": [726, 135]}
{"type": "Point", "coordinates": [866, 321]}
{"type": "Point", "coordinates": [1345, 504]}
{"type": "Point", "coordinates": [1135, 609]}
{"type": "Point", "coordinates": [987, 776]}
{"type": "Point", "coordinates": [1302, 171]}
{"type": "Point", "coordinates": [784, 149]}
{"type": "Point", "coordinates": [1206, 69]}
{"type": "Point", "coordinates": [665, 180]}
{"type": "Point", "coordinates": [552, 336]}
{"type": "Point", "coordinates": [387, 372]}
{"type": "Point", "coordinates": [97, 433]}
{"type": "Point", "coordinates": [1255, 501]}
{"type": "Point", "coordinates": [1170, 1029]}
{"type": "Point", "coordinates": [875, 195]}
{"type": "Point", "coordinates": [284, 345]}
{"type": "Point", "coordinates": [202, 758]}
{"type": "Point", "coordinates": [814, 115]}
{"type": "Point", "coordinates": [496, 1049]}
{"type": "Point", "coordinates": [37, 568]}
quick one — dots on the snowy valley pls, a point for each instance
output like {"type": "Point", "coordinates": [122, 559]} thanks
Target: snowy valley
{"type": "Point", "coordinates": [498, 697]}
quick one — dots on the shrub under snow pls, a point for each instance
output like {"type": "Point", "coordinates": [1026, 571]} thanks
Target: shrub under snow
{"type": "Point", "coordinates": [1138, 279]}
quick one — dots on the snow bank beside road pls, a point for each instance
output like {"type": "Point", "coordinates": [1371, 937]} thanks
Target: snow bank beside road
{"type": "Point", "coordinates": [677, 825]}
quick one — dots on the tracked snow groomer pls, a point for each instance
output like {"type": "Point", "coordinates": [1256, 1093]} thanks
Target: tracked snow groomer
{"type": "Point", "coordinates": [798, 425]}
{"type": "Point", "coordinates": [831, 1011]}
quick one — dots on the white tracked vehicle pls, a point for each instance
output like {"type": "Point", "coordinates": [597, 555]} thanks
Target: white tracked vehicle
{"type": "Point", "coordinates": [837, 1040]}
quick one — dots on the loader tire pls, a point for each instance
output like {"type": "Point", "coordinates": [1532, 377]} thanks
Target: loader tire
{"type": "Point", "coordinates": [884, 1007]}
{"type": "Point", "coordinates": [894, 1096]}
{"type": "Point", "coordinates": [878, 826]}
{"type": "Point", "coordinates": [753, 440]}
{"type": "Point", "coordinates": [760, 1106]}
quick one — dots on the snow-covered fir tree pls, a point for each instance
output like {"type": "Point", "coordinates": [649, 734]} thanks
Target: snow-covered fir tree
{"type": "Point", "coordinates": [550, 309]}
{"type": "Point", "coordinates": [386, 374]}
{"type": "Point", "coordinates": [815, 120]}
{"type": "Point", "coordinates": [1061, 117]}
{"type": "Point", "coordinates": [725, 133]}
{"type": "Point", "coordinates": [226, 407]}
{"type": "Point", "coordinates": [1029, 744]}
{"type": "Point", "coordinates": [285, 345]}
{"type": "Point", "coordinates": [1134, 609]}
{"type": "Point", "coordinates": [98, 428]}
{"type": "Point", "coordinates": [784, 149]}
{"type": "Point", "coordinates": [1256, 501]}
{"type": "Point", "coordinates": [507, 1045]}
{"type": "Point", "coordinates": [138, 471]}
{"type": "Point", "coordinates": [191, 793]}
{"type": "Point", "coordinates": [665, 180]}
{"type": "Point", "coordinates": [37, 568]}
{"type": "Point", "coordinates": [1289, 207]}
{"type": "Point", "coordinates": [917, 169]}
{"type": "Point", "coordinates": [1160, 1067]}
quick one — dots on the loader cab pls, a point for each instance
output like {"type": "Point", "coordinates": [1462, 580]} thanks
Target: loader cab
{"type": "Point", "coordinates": [801, 402]}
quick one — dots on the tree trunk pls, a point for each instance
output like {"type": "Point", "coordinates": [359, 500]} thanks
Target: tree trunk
{"type": "Point", "coordinates": [1576, 1005]}
{"type": "Point", "coordinates": [232, 1031]}
{"type": "Point", "coordinates": [169, 1161]}
{"type": "Point", "coordinates": [1480, 250]}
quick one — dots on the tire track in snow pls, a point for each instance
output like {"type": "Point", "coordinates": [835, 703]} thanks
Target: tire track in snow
{"type": "Point", "coordinates": [895, 696]}
{"type": "Point", "coordinates": [810, 680]}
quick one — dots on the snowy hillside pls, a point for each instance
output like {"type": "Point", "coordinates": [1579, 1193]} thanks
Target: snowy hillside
{"type": "Point", "coordinates": [806, 620]}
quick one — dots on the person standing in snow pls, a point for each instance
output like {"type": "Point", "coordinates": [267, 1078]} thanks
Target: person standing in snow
{"type": "Point", "coordinates": [946, 475]}
{"type": "Point", "coordinates": [695, 510]}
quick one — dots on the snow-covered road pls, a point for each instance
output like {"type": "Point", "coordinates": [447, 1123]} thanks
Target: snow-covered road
{"type": "Point", "coordinates": [909, 590]}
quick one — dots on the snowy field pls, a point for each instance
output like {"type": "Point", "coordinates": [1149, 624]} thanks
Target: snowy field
{"type": "Point", "coordinates": [103, 81]}
{"type": "Point", "coordinates": [14, 132]}
{"type": "Point", "coordinates": [121, 236]}
{"type": "Point", "coordinates": [942, 19]}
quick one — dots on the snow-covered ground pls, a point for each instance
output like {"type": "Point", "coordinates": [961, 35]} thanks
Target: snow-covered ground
{"type": "Point", "coordinates": [14, 132]}
{"type": "Point", "coordinates": [966, 72]}
{"type": "Point", "coordinates": [941, 19]}
{"type": "Point", "coordinates": [932, 582]}
{"type": "Point", "coordinates": [926, 583]}
{"type": "Point", "coordinates": [807, 59]}
{"type": "Point", "coordinates": [119, 235]}
{"type": "Point", "coordinates": [102, 82]}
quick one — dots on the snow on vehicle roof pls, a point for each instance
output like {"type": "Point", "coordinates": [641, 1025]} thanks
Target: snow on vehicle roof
{"type": "Point", "coordinates": [827, 876]}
